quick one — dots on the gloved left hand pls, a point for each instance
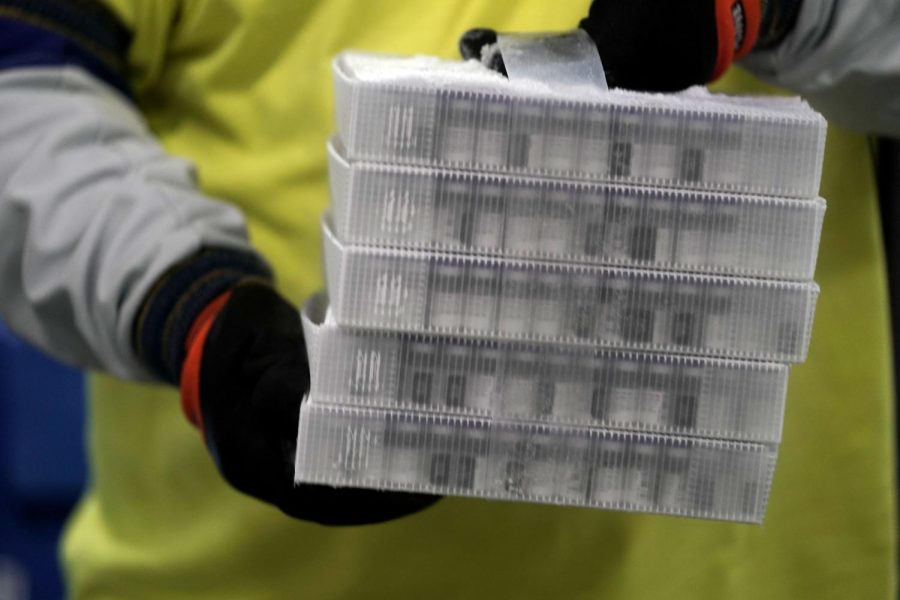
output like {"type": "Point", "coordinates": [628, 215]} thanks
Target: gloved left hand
{"type": "Point", "coordinates": [242, 381]}
{"type": "Point", "coordinates": [664, 45]}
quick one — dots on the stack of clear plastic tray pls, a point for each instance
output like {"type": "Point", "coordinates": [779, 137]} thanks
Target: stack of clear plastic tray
{"type": "Point", "coordinates": [574, 302]}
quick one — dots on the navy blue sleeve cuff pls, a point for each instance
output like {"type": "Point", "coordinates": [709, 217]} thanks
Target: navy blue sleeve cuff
{"type": "Point", "coordinates": [83, 33]}
{"type": "Point", "coordinates": [181, 294]}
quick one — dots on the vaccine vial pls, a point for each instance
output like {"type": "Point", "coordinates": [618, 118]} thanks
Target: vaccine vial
{"type": "Point", "coordinates": [626, 142]}
{"type": "Point", "coordinates": [720, 331]}
{"type": "Point", "coordinates": [452, 214]}
{"type": "Point", "coordinates": [725, 158]}
{"type": "Point", "coordinates": [601, 373]}
{"type": "Point", "coordinates": [620, 158]}
{"type": "Point", "coordinates": [673, 478]}
{"type": "Point", "coordinates": [390, 298]}
{"type": "Point", "coordinates": [542, 466]}
{"type": "Point", "coordinates": [690, 168]}
{"type": "Point", "coordinates": [441, 451]}
{"type": "Point", "coordinates": [640, 476]}
{"type": "Point", "coordinates": [685, 402]}
{"type": "Point", "coordinates": [573, 389]}
{"type": "Point", "coordinates": [483, 392]}
{"type": "Point", "coordinates": [456, 364]}
{"type": "Point", "coordinates": [574, 473]}
{"type": "Point", "coordinates": [789, 339]}
{"type": "Point", "coordinates": [401, 128]}
{"type": "Point", "coordinates": [488, 228]}
{"type": "Point", "coordinates": [520, 385]}
{"type": "Point", "coordinates": [591, 223]}
{"type": "Point", "coordinates": [514, 466]}
{"type": "Point", "coordinates": [655, 397]}
{"type": "Point", "coordinates": [439, 470]}
{"type": "Point", "coordinates": [686, 324]}
{"type": "Point", "coordinates": [368, 371]}
{"type": "Point", "coordinates": [549, 308]}
{"type": "Point", "coordinates": [396, 212]}
{"type": "Point", "coordinates": [725, 245]}
{"type": "Point", "coordinates": [639, 317]}
{"type": "Point", "coordinates": [661, 217]}
{"type": "Point", "coordinates": [462, 471]}
{"type": "Point", "coordinates": [751, 499]}
{"type": "Point", "coordinates": [418, 365]}
{"type": "Point", "coordinates": [584, 306]}
{"type": "Point", "coordinates": [360, 454]}
{"type": "Point", "coordinates": [493, 133]}
{"type": "Point", "coordinates": [661, 147]}
{"type": "Point", "coordinates": [693, 236]}
{"type": "Point", "coordinates": [529, 125]}
{"type": "Point", "coordinates": [701, 143]}
{"type": "Point", "coordinates": [594, 145]}
{"type": "Point", "coordinates": [516, 303]}
{"type": "Point", "coordinates": [625, 233]}
{"type": "Point", "coordinates": [557, 221]}
{"type": "Point", "coordinates": [481, 299]}
{"type": "Point", "coordinates": [703, 499]}
{"type": "Point", "coordinates": [624, 402]}
{"type": "Point", "coordinates": [456, 144]}
{"type": "Point", "coordinates": [523, 226]}
{"type": "Point", "coordinates": [445, 309]}
{"type": "Point", "coordinates": [560, 154]}
{"type": "Point", "coordinates": [656, 297]}
{"type": "Point", "coordinates": [607, 486]}
{"type": "Point", "coordinates": [618, 298]}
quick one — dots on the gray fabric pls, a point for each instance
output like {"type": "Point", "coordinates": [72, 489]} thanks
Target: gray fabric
{"type": "Point", "coordinates": [92, 212]}
{"type": "Point", "coordinates": [844, 57]}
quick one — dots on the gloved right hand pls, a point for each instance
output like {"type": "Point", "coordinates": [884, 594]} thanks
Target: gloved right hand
{"type": "Point", "coordinates": [243, 378]}
{"type": "Point", "coordinates": [667, 45]}
{"type": "Point", "coordinates": [215, 324]}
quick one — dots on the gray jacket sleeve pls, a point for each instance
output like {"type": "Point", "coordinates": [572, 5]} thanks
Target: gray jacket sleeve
{"type": "Point", "coordinates": [844, 57]}
{"type": "Point", "coordinates": [92, 213]}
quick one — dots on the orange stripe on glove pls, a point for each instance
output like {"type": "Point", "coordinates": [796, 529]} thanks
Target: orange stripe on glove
{"type": "Point", "coordinates": [190, 371]}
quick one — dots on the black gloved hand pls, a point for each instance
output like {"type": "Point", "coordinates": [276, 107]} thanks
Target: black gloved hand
{"type": "Point", "coordinates": [666, 45]}
{"type": "Point", "coordinates": [244, 375]}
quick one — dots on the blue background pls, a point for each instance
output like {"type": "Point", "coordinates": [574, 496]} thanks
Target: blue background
{"type": "Point", "coordinates": [42, 465]}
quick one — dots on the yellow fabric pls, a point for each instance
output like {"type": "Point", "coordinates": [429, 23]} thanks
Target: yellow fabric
{"type": "Point", "coordinates": [243, 88]}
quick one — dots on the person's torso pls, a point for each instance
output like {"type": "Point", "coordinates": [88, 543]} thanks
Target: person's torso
{"type": "Point", "coordinates": [244, 91]}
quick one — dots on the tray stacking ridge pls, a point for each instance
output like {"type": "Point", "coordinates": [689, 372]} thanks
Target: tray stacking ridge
{"type": "Point", "coordinates": [510, 460]}
{"type": "Point", "coordinates": [539, 382]}
{"type": "Point", "coordinates": [376, 204]}
{"type": "Point", "coordinates": [767, 146]}
{"type": "Point", "coordinates": [571, 304]}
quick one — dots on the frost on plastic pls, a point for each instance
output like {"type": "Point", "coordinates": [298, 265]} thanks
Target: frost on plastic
{"type": "Point", "coordinates": [395, 110]}
{"type": "Point", "coordinates": [444, 210]}
{"type": "Point", "coordinates": [546, 296]}
{"type": "Point", "coordinates": [511, 460]}
{"type": "Point", "coordinates": [658, 393]}
{"type": "Point", "coordinates": [566, 303]}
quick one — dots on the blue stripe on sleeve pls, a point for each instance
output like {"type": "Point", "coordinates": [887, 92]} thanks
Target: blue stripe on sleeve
{"type": "Point", "coordinates": [26, 44]}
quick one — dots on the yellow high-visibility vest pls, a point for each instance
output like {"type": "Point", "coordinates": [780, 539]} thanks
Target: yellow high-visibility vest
{"type": "Point", "coordinates": [243, 88]}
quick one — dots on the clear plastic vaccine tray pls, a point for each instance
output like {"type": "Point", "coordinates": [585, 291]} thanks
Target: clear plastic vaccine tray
{"type": "Point", "coordinates": [461, 115]}
{"type": "Point", "coordinates": [582, 386]}
{"type": "Point", "coordinates": [565, 303]}
{"type": "Point", "coordinates": [458, 211]}
{"type": "Point", "coordinates": [512, 460]}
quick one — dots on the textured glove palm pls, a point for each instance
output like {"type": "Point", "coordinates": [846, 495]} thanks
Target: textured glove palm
{"type": "Point", "coordinates": [244, 376]}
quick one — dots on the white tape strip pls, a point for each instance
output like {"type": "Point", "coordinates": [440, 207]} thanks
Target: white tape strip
{"type": "Point", "coordinates": [565, 64]}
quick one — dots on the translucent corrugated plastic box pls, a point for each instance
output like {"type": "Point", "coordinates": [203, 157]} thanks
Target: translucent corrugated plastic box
{"type": "Point", "coordinates": [456, 114]}
{"type": "Point", "coordinates": [582, 386]}
{"type": "Point", "coordinates": [459, 211]}
{"type": "Point", "coordinates": [512, 460]}
{"type": "Point", "coordinates": [565, 303]}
